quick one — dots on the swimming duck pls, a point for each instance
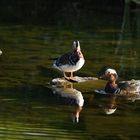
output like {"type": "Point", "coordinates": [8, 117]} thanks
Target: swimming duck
{"type": "Point", "coordinates": [70, 62]}
{"type": "Point", "coordinates": [131, 87]}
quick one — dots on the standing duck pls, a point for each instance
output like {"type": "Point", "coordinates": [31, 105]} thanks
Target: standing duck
{"type": "Point", "coordinates": [70, 62]}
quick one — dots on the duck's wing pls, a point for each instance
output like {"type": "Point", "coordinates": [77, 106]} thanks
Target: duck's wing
{"type": "Point", "coordinates": [67, 59]}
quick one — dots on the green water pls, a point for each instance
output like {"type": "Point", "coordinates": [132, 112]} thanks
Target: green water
{"type": "Point", "coordinates": [28, 108]}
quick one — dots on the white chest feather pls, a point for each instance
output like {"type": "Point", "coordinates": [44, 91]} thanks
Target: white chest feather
{"type": "Point", "coordinates": [72, 68]}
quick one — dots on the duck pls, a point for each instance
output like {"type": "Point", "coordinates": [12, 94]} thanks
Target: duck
{"type": "Point", "coordinates": [71, 61]}
{"type": "Point", "coordinates": [127, 88]}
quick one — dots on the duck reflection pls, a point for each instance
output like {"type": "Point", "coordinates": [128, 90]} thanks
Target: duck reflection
{"type": "Point", "coordinates": [72, 97]}
{"type": "Point", "coordinates": [134, 97]}
{"type": "Point", "coordinates": [111, 106]}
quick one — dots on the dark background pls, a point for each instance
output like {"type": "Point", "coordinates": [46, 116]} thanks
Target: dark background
{"type": "Point", "coordinates": [56, 12]}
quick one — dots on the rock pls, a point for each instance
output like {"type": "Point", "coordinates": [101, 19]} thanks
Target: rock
{"type": "Point", "coordinates": [77, 79]}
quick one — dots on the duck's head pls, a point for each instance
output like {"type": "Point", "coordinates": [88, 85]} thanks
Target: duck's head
{"type": "Point", "coordinates": [76, 45]}
{"type": "Point", "coordinates": [106, 72]}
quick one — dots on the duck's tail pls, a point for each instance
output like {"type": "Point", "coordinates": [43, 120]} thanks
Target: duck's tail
{"type": "Point", "coordinates": [55, 65]}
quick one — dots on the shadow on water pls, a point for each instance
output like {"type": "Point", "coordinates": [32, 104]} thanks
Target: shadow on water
{"type": "Point", "coordinates": [48, 72]}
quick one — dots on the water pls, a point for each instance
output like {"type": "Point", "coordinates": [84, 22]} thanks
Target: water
{"type": "Point", "coordinates": [30, 109]}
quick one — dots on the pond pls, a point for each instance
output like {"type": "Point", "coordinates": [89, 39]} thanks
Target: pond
{"type": "Point", "coordinates": [31, 109]}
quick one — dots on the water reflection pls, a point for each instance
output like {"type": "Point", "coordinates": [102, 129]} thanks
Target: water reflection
{"type": "Point", "coordinates": [72, 97]}
{"type": "Point", "coordinates": [134, 98]}
{"type": "Point", "coordinates": [129, 30]}
{"type": "Point", "coordinates": [111, 105]}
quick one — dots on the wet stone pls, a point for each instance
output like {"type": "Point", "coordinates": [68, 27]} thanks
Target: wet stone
{"type": "Point", "coordinates": [76, 79]}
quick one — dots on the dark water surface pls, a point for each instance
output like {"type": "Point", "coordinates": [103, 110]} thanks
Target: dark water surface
{"type": "Point", "coordinates": [29, 109]}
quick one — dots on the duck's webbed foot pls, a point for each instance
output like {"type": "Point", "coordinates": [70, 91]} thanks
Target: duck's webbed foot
{"type": "Point", "coordinates": [71, 78]}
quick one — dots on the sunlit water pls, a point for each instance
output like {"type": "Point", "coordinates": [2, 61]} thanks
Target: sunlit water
{"type": "Point", "coordinates": [29, 109]}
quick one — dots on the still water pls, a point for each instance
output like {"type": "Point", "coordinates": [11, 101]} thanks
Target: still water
{"type": "Point", "coordinates": [30, 109]}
